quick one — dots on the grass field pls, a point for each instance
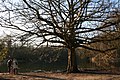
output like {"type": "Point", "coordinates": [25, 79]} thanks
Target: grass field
{"type": "Point", "coordinates": [58, 76]}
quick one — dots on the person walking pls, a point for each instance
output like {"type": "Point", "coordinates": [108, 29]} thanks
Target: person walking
{"type": "Point", "coordinates": [15, 66]}
{"type": "Point", "coordinates": [9, 65]}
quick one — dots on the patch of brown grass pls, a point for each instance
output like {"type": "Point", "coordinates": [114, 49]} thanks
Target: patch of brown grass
{"type": "Point", "coordinates": [58, 76]}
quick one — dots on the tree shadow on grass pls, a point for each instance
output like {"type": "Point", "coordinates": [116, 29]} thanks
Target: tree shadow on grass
{"type": "Point", "coordinates": [43, 77]}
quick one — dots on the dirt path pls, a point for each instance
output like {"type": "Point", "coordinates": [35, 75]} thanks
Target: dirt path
{"type": "Point", "coordinates": [58, 76]}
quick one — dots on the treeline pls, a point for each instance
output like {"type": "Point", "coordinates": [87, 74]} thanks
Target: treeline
{"type": "Point", "coordinates": [58, 57]}
{"type": "Point", "coordinates": [44, 58]}
{"type": "Point", "coordinates": [54, 58]}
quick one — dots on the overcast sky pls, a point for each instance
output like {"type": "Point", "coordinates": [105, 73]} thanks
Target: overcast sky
{"type": "Point", "coordinates": [3, 31]}
{"type": "Point", "coordinates": [9, 31]}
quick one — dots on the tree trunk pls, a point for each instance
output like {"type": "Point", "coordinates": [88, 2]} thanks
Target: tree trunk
{"type": "Point", "coordinates": [72, 61]}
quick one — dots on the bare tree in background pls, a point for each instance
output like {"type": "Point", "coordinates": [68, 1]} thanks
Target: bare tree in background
{"type": "Point", "coordinates": [68, 23]}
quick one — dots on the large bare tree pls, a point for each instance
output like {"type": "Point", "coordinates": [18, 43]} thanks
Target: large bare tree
{"type": "Point", "coordinates": [66, 23]}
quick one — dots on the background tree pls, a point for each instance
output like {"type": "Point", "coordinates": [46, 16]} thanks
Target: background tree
{"type": "Point", "coordinates": [3, 49]}
{"type": "Point", "coordinates": [110, 58]}
{"type": "Point", "coordinates": [66, 23]}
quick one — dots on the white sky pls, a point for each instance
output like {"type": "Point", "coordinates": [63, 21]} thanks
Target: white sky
{"type": "Point", "coordinates": [9, 31]}
{"type": "Point", "coordinates": [4, 30]}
